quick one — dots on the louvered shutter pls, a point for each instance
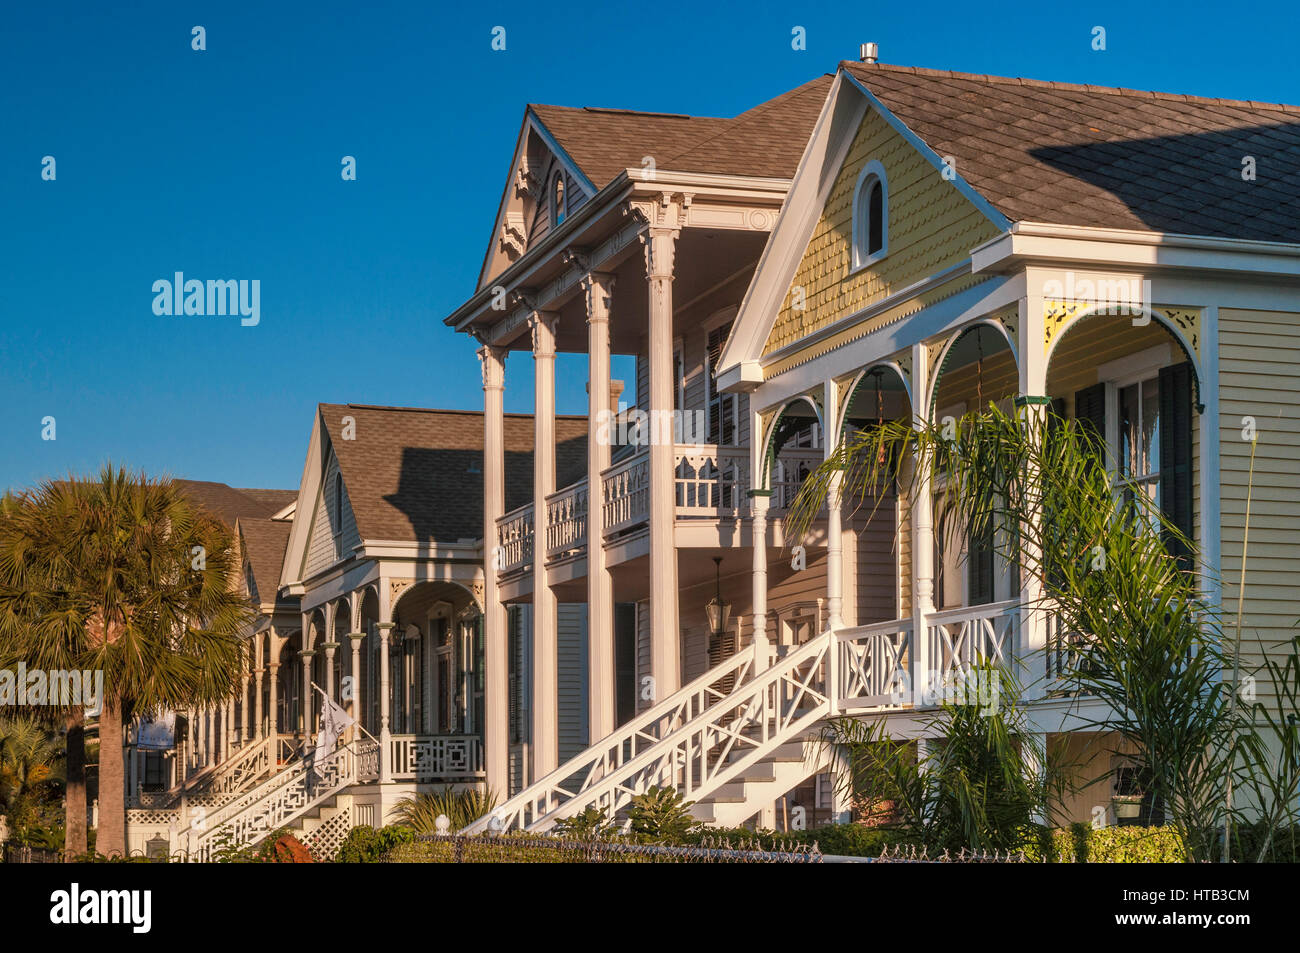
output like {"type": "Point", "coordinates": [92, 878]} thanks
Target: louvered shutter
{"type": "Point", "coordinates": [1176, 456]}
{"type": "Point", "coordinates": [1090, 411]}
{"type": "Point", "coordinates": [721, 410]}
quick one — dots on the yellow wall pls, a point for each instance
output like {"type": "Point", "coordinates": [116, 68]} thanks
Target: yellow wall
{"type": "Point", "coordinates": [1259, 376]}
{"type": "Point", "coordinates": [931, 226]}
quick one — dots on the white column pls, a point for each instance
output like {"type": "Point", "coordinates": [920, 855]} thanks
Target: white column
{"type": "Point", "coordinates": [305, 708]}
{"type": "Point", "coordinates": [834, 529]}
{"type": "Point", "coordinates": [665, 636]}
{"type": "Point", "coordinates": [385, 692]}
{"type": "Point", "coordinates": [922, 537]}
{"type": "Point", "coordinates": [330, 648]}
{"type": "Point", "coordinates": [496, 691]}
{"type": "Point", "coordinates": [257, 702]}
{"type": "Point", "coordinates": [354, 671]}
{"type": "Point", "coordinates": [600, 585]}
{"type": "Point", "coordinates": [1031, 650]}
{"type": "Point", "coordinates": [758, 504]}
{"type": "Point", "coordinates": [244, 712]}
{"type": "Point", "coordinates": [546, 686]}
{"type": "Point", "coordinates": [273, 698]}
{"type": "Point", "coordinates": [208, 717]}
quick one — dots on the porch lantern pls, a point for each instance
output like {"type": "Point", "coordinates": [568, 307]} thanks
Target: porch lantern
{"type": "Point", "coordinates": [719, 611]}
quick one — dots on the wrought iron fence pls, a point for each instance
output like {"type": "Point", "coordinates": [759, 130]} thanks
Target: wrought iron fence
{"type": "Point", "coordinates": [486, 848]}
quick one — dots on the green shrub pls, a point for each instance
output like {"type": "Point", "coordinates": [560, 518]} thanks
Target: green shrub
{"type": "Point", "coordinates": [591, 824]}
{"type": "Point", "coordinates": [1084, 844]}
{"type": "Point", "coordinates": [365, 845]}
{"type": "Point", "coordinates": [420, 812]}
{"type": "Point", "coordinates": [660, 816]}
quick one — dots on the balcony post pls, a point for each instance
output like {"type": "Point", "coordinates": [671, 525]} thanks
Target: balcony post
{"type": "Point", "coordinates": [834, 528]}
{"type": "Point", "coordinates": [385, 691]}
{"type": "Point", "coordinates": [257, 703]}
{"type": "Point", "coordinates": [660, 238]}
{"type": "Point", "coordinates": [305, 708]}
{"type": "Point", "coordinates": [599, 290]}
{"type": "Point", "coordinates": [496, 692]}
{"type": "Point", "coordinates": [758, 504]}
{"type": "Point", "coordinates": [546, 686]}
{"type": "Point", "coordinates": [273, 703]}
{"type": "Point", "coordinates": [355, 639]}
{"type": "Point", "coordinates": [245, 679]}
{"type": "Point", "coordinates": [1031, 402]}
{"type": "Point", "coordinates": [922, 537]}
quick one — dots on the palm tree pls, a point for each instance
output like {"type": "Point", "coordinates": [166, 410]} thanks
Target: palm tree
{"type": "Point", "coordinates": [122, 575]}
{"type": "Point", "coordinates": [1108, 563]}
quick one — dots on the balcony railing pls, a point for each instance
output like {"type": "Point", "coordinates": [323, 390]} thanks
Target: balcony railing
{"type": "Point", "coordinates": [435, 757]}
{"type": "Point", "coordinates": [710, 482]}
{"type": "Point", "coordinates": [566, 520]}
{"type": "Point", "coordinates": [972, 635]}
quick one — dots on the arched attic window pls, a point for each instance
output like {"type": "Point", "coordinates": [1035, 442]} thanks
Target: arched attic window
{"type": "Point", "coordinates": [559, 208]}
{"type": "Point", "coordinates": [870, 215]}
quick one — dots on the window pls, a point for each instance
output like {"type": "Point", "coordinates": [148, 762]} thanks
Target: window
{"type": "Point", "coordinates": [870, 215]}
{"type": "Point", "coordinates": [724, 409]}
{"type": "Point", "coordinates": [1139, 440]}
{"type": "Point", "coordinates": [338, 515]}
{"type": "Point", "coordinates": [559, 208]}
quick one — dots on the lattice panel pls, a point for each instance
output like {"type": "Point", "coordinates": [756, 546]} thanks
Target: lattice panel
{"type": "Point", "coordinates": [325, 840]}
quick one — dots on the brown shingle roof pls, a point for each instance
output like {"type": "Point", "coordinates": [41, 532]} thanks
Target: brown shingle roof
{"type": "Point", "coordinates": [1110, 158]}
{"type": "Point", "coordinates": [231, 503]}
{"type": "Point", "coordinates": [764, 141]}
{"type": "Point", "coordinates": [415, 474]}
{"type": "Point", "coordinates": [264, 542]}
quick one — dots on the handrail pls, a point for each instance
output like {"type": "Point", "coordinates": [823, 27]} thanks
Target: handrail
{"type": "Point", "coordinates": [534, 807]}
{"type": "Point", "coordinates": [962, 613]}
{"type": "Point", "coordinates": [637, 728]}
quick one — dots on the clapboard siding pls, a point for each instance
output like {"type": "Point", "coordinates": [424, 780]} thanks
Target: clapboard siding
{"type": "Point", "coordinates": [321, 550]}
{"type": "Point", "coordinates": [876, 563]}
{"type": "Point", "coordinates": [572, 676]}
{"type": "Point", "coordinates": [1259, 377]}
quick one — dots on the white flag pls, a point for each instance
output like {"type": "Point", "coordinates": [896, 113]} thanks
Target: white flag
{"type": "Point", "coordinates": [333, 722]}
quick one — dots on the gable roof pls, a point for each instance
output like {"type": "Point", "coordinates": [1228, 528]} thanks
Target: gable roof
{"type": "Point", "coordinates": [231, 503]}
{"type": "Point", "coordinates": [414, 474]}
{"type": "Point", "coordinates": [765, 141]}
{"type": "Point", "coordinates": [1068, 154]}
{"type": "Point", "coordinates": [264, 542]}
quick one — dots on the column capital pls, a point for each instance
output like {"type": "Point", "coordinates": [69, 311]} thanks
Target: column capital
{"type": "Point", "coordinates": [542, 325]}
{"type": "Point", "coordinates": [307, 654]}
{"type": "Point", "coordinates": [355, 636]}
{"type": "Point", "coordinates": [273, 667]}
{"type": "Point", "coordinates": [598, 287]}
{"type": "Point", "coordinates": [493, 361]}
{"type": "Point", "coordinates": [329, 647]}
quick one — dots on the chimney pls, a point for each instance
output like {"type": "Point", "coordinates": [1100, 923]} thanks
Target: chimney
{"type": "Point", "coordinates": [615, 392]}
{"type": "Point", "coordinates": [870, 52]}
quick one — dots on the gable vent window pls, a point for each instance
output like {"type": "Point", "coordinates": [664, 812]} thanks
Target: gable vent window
{"type": "Point", "coordinates": [559, 210]}
{"type": "Point", "coordinates": [870, 216]}
{"type": "Point", "coordinates": [338, 514]}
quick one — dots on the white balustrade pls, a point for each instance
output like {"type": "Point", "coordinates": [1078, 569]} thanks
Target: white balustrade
{"type": "Point", "coordinates": [710, 481]}
{"type": "Point", "coordinates": [436, 757]}
{"type": "Point", "coordinates": [566, 520]}
{"type": "Point", "coordinates": [626, 493]}
{"type": "Point", "coordinates": [872, 666]}
{"type": "Point", "coordinates": [972, 635]}
{"type": "Point", "coordinates": [515, 539]}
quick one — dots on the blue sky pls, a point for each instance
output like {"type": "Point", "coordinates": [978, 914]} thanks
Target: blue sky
{"type": "Point", "coordinates": [225, 164]}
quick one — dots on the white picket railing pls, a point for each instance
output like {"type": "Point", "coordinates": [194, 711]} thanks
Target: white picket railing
{"type": "Point", "coordinates": [710, 481]}
{"type": "Point", "coordinates": [972, 635]}
{"type": "Point", "coordinates": [626, 493]}
{"type": "Point", "coordinates": [566, 520]}
{"type": "Point", "coordinates": [436, 757]}
{"type": "Point", "coordinates": [686, 742]}
{"type": "Point", "coordinates": [515, 539]}
{"type": "Point", "coordinates": [274, 803]}
{"type": "Point", "coordinates": [625, 746]}
{"type": "Point", "coordinates": [872, 666]}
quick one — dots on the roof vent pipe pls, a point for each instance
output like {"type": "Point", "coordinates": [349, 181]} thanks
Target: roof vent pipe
{"type": "Point", "coordinates": [870, 52]}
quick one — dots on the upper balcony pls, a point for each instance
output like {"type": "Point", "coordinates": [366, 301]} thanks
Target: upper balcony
{"type": "Point", "coordinates": [711, 484]}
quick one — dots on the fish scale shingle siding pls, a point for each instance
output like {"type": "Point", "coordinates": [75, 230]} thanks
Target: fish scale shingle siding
{"type": "Point", "coordinates": [931, 226]}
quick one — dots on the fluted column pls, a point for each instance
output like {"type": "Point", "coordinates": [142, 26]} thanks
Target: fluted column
{"type": "Point", "coordinates": [834, 526]}
{"type": "Point", "coordinates": [496, 689]}
{"type": "Point", "coordinates": [922, 537]}
{"type": "Point", "coordinates": [385, 700]}
{"type": "Point", "coordinates": [599, 289]}
{"type": "Point", "coordinates": [305, 709]}
{"type": "Point", "coordinates": [665, 637]}
{"type": "Point", "coordinates": [758, 504]}
{"type": "Point", "coordinates": [330, 648]}
{"type": "Point", "coordinates": [546, 685]}
{"type": "Point", "coordinates": [356, 639]}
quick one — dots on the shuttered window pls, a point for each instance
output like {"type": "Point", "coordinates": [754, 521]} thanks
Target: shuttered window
{"type": "Point", "coordinates": [1175, 448]}
{"type": "Point", "coordinates": [723, 408]}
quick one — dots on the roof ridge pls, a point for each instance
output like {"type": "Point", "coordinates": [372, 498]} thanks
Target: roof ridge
{"type": "Point", "coordinates": [622, 111]}
{"type": "Point", "coordinates": [854, 65]}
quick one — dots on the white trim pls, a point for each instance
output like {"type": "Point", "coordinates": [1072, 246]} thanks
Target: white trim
{"type": "Point", "coordinates": [861, 258]}
{"type": "Point", "coordinates": [1211, 528]}
{"type": "Point", "coordinates": [1135, 367]}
